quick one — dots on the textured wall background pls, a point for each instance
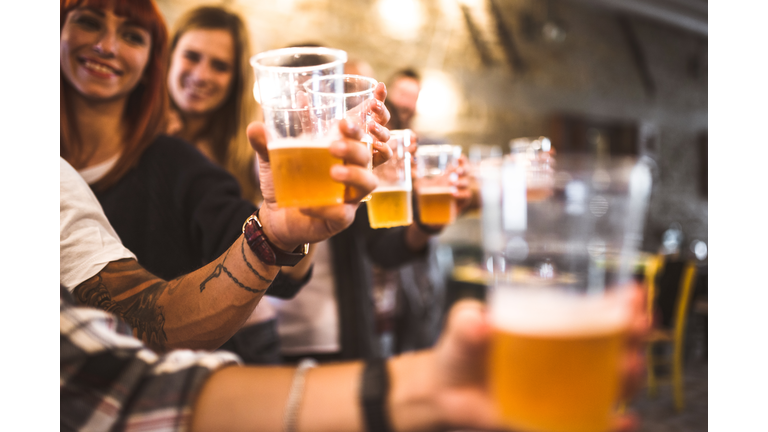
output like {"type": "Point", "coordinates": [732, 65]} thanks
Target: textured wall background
{"type": "Point", "coordinates": [590, 74]}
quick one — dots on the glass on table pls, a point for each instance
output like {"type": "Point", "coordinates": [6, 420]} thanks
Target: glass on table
{"type": "Point", "coordinates": [436, 167]}
{"type": "Point", "coordinates": [559, 303]}
{"type": "Point", "coordinates": [390, 204]}
{"type": "Point", "coordinates": [298, 135]}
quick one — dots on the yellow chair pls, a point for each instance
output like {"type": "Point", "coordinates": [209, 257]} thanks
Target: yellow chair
{"type": "Point", "coordinates": [676, 335]}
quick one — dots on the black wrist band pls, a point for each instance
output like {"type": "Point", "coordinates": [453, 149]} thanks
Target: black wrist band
{"type": "Point", "coordinates": [373, 395]}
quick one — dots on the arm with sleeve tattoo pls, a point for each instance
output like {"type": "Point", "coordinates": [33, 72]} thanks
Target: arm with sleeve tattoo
{"type": "Point", "coordinates": [200, 310]}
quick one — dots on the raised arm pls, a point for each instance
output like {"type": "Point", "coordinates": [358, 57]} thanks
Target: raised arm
{"type": "Point", "coordinates": [444, 388]}
{"type": "Point", "coordinates": [203, 309]}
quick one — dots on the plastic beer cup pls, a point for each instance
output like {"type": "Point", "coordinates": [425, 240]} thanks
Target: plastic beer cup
{"type": "Point", "coordinates": [298, 135]}
{"type": "Point", "coordinates": [559, 308]}
{"type": "Point", "coordinates": [390, 204]}
{"type": "Point", "coordinates": [353, 94]}
{"type": "Point", "coordinates": [436, 176]}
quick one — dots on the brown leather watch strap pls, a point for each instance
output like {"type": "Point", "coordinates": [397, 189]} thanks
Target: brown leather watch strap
{"type": "Point", "coordinates": [267, 252]}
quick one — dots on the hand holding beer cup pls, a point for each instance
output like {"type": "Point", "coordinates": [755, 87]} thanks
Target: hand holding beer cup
{"type": "Point", "coordinates": [376, 126]}
{"type": "Point", "coordinates": [300, 127]}
{"type": "Point", "coordinates": [288, 227]}
{"type": "Point", "coordinates": [438, 173]}
{"type": "Point", "coordinates": [455, 385]}
{"type": "Point", "coordinates": [563, 305]}
{"type": "Point", "coordinates": [390, 204]}
{"type": "Point", "coordinates": [336, 97]}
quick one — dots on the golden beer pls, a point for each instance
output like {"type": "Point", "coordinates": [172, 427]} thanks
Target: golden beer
{"type": "Point", "coordinates": [555, 371]}
{"type": "Point", "coordinates": [436, 205]}
{"type": "Point", "coordinates": [390, 207]}
{"type": "Point", "coordinates": [301, 174]}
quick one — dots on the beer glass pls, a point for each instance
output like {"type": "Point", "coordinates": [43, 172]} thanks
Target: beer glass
{"type": "Point", "coordinates": [351, 96]}
{"type": "Point", "coordinates": [298, 135]}
{"type": "Point", "coordinates": [559, 300]}
{"type": "Point", "coordinates": [534, 154]}
{"type": "Point", "coordinates": [436, 175]}
{"type": "Point", "coordinates": [390, 203]}
{"type": "Point", "coordinates": [478, 153]}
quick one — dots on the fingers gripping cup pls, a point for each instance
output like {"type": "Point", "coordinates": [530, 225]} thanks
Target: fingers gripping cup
{"type": "Point", "coordinates": [436, 175]}
{"type": "Point", "coordinates": [390, 204]}
{"type": "Point", "coordinates": [344, 97]}
{"type": "Point", "coordinates": [299, 135]}
{"type": "Point", "coordinates": [559, 304]}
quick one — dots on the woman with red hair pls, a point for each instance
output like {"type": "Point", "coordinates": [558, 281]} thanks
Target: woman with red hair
{"type": "Point", "coordinates": [113, 101]}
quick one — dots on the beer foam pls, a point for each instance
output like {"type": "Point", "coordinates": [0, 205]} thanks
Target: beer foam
{"type": "Point", "coordinates": [435, 190]}
{"type": "Point", "coordinates": [390, 188]}
{"type": "Point", "coordinates": [550, 312]}
{"type": "Point", "coordinates": [299, 143]}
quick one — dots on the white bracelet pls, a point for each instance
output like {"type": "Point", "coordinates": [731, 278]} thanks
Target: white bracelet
{"type": "Point", "coordinates": [294, 397]}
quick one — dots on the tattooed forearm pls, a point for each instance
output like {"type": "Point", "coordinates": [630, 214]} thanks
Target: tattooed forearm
{"type": "Point", "coordinates": [145, 301]}
{"type": "Point", "coordinates": [93, 293]}
{"type": "Point", "coordinates": [110, 291]}
{"type": "Point", "coordinates": [242, 250]}
{"type": "Point", "coordinates": [217, 272]}
{"type": "Point", "coordinates": [222, 268]}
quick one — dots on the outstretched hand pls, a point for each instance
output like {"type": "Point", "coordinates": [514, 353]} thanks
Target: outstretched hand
{"type": "Point", "coordinates": [289, 227]}
{"type": "Point", "coordinates": [451, 381]}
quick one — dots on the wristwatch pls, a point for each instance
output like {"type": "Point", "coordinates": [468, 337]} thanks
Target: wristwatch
{"type": "Point", "coordinates": [264, 249]}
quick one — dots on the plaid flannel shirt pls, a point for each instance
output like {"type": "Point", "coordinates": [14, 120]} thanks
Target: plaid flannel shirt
{"type": "Point", "coordinates": [111, 381]}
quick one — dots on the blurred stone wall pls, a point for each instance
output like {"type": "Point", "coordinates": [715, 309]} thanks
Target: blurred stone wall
{"type": "Point", "coordinates": [590, 73]}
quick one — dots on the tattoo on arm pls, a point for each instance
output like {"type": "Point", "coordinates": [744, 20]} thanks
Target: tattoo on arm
{"type": "Point", "coordinates": [222, 268]}
{"type": "Point", "coordinates": [112, 290]}
{"type": "Point", "coordinates": [242, 250]}
{"type": "Point", "coordinates": [139, 310]}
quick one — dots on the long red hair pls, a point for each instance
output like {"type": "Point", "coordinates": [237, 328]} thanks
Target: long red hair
{"type": "Point", "coordinates": [147, 105]}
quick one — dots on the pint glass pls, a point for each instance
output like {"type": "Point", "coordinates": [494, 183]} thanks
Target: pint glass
{"type": "Point", "coordinates": [390, 204]}
{"type": "Point", "coordinates": [534, 155]}
{"type": "Point", "coordinates": [436, 174]}
{"type": "Point", "coordinates": [352, 94]}
{"type": "Point", "coordinates": [298, 135]}
{"type": "Point", "coordinates": [559, 304]}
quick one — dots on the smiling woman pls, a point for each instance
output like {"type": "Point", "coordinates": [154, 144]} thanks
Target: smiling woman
{"type": "Point", "coordinates": [209, 81]}
{"type": "Point", "coordinates": [112, 61]}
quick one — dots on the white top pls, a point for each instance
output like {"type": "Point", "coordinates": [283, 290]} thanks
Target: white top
{"type": "Point", "coordinates": [94, 173]}
{"type": "Point", "coordinates": [87, 242]}
{"type": "Point", "coordinates": [309, 323]}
